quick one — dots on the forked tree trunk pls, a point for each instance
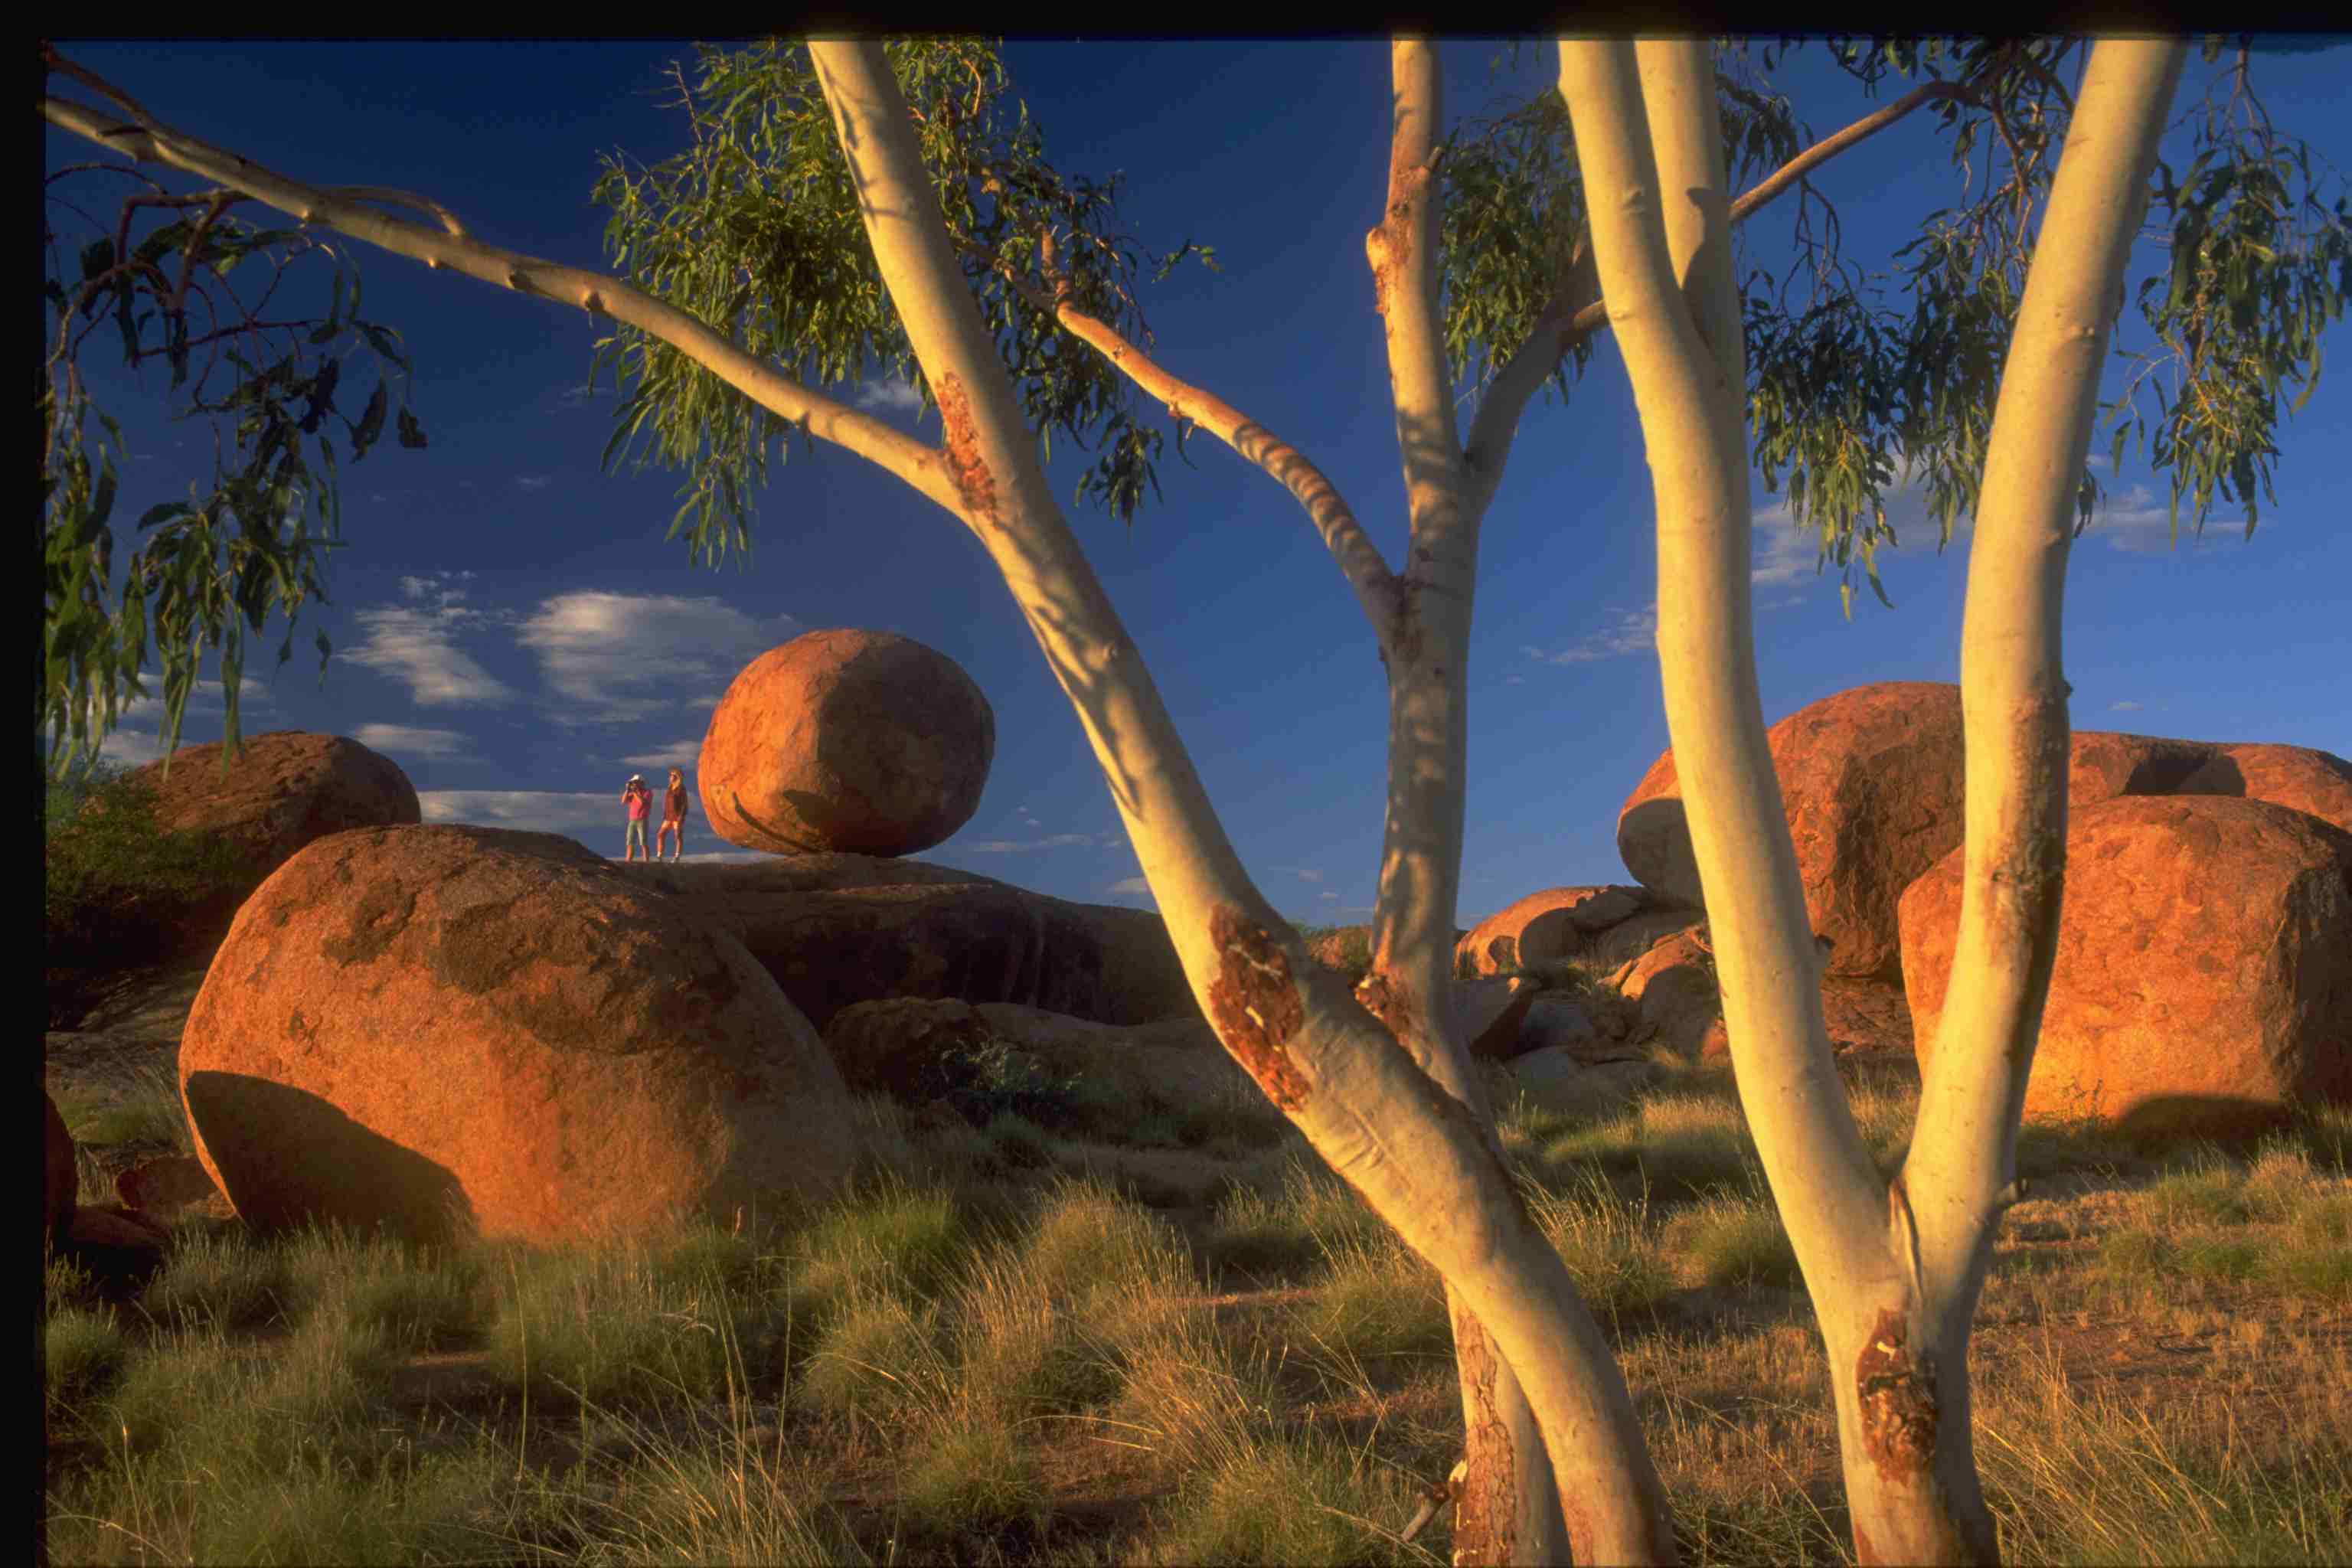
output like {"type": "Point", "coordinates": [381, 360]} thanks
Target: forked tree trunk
{"type": "Point", "coordinates": [1418, 1155]}
{"type": "Point", "coordinates": [1894, 1269]}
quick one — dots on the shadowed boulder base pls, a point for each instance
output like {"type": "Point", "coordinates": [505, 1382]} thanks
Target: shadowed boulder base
{"type": "Point", "coordinates": [834, 930]}
{"type": "Point", "coordinates": [1873, 782]}
{"type": "Point", "coordinates": [58, 1175]}
{"type": "Point", "coordinates": [862, 742]}
{"type": "Point", "coordinates": [2204, 970]}
{"type": "Point", "coordinates": [283, 789]}
{"type": "Point", "coordinates": [450, 1029]}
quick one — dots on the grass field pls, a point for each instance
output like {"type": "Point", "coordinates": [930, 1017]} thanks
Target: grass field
{"type": "Point", "coordinates": [1019, 1344]}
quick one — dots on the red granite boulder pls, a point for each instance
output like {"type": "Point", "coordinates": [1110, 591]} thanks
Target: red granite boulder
{"type": "Point", "coordinates": [283, 789]}
{"type": "Point", "coordinates": [2317, 784]}
{"type": "Point", "coordinates": [2203, 979]}
{"type": "Point", "coordinates": [834, 929]}
{"type": "Point", "coordinates": [452, 1029]}
{"type": "Point", "coordinates": [846, 740]}
{"type": "Point", "coordinates": [1545, 927]}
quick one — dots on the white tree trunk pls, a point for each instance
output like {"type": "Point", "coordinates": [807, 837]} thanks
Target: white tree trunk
{"type": "Point", "coordinates": [1419, 1157]}
{"type": "Point", "coordinates": [1894, 1269]}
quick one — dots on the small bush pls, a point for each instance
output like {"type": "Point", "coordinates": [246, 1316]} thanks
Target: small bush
{"type": "Point", "coordinates": [117, 889]}
{"type": "Point", "coordinates": [81, 1355]}
{"type": "Point", "coordinates": [974, 1477]}
{"type": "Point", "coordinates": [878, 1356]}
{"type": "Point", "coordinates": [1377, 1300]}
{"type": "Point", "coordinates": [1733, 1245]}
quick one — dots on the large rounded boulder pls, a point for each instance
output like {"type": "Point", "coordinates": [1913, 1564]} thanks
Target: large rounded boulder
{"type": "Point", "coordinates": [2203, 981]}
{"type": "Point", "coordinates": [1872, 781]}
{"type": "Point", "coordinates": [282, 790]}
{"type": "Point", "coordinates": [444, 1030]}
{"type": "Point", "coordinates": [852, 741]}
{"type": "Point", "coordinates": [2317, 784]}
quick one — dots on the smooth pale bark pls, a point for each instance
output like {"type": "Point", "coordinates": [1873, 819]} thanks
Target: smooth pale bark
{"type": "Point", "coordinates": [1417, 1154]}
{"type": "Point", "coordinates": [1894, 1269]}
{"type": "Point", "coordinates": [1506, 1505]}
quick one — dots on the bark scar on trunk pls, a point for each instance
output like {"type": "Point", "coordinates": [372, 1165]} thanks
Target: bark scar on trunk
{"type": "Point", "coordinates": [1254, 1004]}
{"type": "Point", "coordinates": [1897, 1392]}
{"type": "Point", "coordinates": [1485, 1499]}
{"type": "Point", "coordinates": [973, 482]}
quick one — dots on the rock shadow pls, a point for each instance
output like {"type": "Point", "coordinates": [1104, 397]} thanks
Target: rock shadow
{"type": "Point", "coordinates": [288, 1157]}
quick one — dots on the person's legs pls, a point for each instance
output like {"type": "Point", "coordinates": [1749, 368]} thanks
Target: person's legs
{"type": "Point", "coordinates": [662, 839]}
{"type": "Point", "coordinates": [636, 839]}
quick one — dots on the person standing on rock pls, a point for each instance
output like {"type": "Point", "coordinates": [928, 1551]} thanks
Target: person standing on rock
{"type": "Point", "coordinates": [638, 799]}
{"type": "Point", "coordinates": [673, 816]}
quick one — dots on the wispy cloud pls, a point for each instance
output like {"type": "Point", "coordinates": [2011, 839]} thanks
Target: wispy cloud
{"type": "Point", "coordinates": [533, 482]}
{"type": "Point", "coordinates": [402, 741]}
{"type": "Point", "coordinates": [1130, 885]}
{"type": "Point", "coordinates": [1784, 553]}
{"type": "Point", "coordinates": [2127, 706]}
{"type": "Point", "coordinates": [893, 396]}
{"type": "Point", "coordinates": [676, 755]}
{"type": "Point", "coordinates": [1051, 841]}
{"type": "Point", "coordinates": [1302, 873]}
{"type": "Point", "coordinates": [533, 810]}
{"type": "Point", "coordinates": [2138, 521]}
{"type": "Point", "coordinates": [418, 647]}
{"type": "Point", "coordinates": [1625, 631]}
{"type": "Point", "coordinates": [583, 396]}
{"type": "Point", "coordinates": [132, 748]}
{"type": "Point", "coordinates": [206, 697]}
{"type": "Point", "coordinates": [619, 657]}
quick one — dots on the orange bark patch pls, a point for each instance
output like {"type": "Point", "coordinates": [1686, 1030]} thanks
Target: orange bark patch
{"type": "Point", "coordinates": [973, 482]}
{"type": "Point", "coordinates": [1898, 1394]}
{"type": "Point", "coordinates": [1387, 1001]}
{"type": "Point", "coordinates": [1486, 1500]}
{"type": "Point", "coordinates": [1255, 1006]}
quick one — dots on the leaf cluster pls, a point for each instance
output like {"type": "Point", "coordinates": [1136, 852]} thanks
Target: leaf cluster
{"type": "Point", "coordinates": [222, 561]}
{"type": "Point", "coordinates": [1855, 386]}
{"type": "Point", "coordinates": [755, 230]}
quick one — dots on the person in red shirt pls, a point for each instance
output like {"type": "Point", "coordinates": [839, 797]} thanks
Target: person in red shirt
{"type": "Point", "coordinates": [638, 799]}
{"type": "Point", "coordinates": [673, 816]}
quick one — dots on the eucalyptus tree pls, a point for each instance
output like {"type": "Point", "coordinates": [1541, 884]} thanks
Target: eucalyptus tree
{"type": "Point", "coordinates": [847, 207]}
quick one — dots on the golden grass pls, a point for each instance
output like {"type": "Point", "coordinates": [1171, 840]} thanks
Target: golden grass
{"type": "Point", "coordinates": [978, 1360]}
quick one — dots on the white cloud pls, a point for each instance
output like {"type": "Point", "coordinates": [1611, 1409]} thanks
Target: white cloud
{"type": "Point", "coordinates": [617, 657]}
{"type": "Point", "coordinates": [203, 696]}
{"type": "Point", "coordinates": [2140, 521]}
{"type": "Point", "coordinates": [1302, 873]}
{"type": "Point", "coordinates": [403, 740]}
{"type": "Point", "coordinates": [1784, 553]}
{"type": "Point", "coordinates": [2127, 706]}
{"type": "Point", "coordinates": [536, 811]}
{"type": "Point", "coordinates": [1334, 896]}
{"type": "Point", "coordinates": [1130, 885]}
{"type": "Point", "coordinates": [676, 755]}
{"type": "Point", "coordinates": [418, 648]}
{"type": "Point", "coordinates": [1022, 845]}
{"type": "Point", "coordinates": [892, 396]}
{"type": "Point", "coordinates": [1627, 631]}
{"type": "Point", "coordinates": [132, 748]}
{"type": "Point", "coordinates": [534, 482]}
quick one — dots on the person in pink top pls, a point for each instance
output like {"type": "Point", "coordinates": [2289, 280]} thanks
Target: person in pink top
{"type": "Point", "coordinates": [639, 800]}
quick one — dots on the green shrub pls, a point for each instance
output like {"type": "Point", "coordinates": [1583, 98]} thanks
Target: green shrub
{"type": "Point", "coordinates": [117, 889]}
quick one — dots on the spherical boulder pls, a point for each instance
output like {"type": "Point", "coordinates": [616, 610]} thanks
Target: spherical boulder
{"type": "Point", "coordinates": [444, 1030]}
{"type": "Point", "coordinates": [848, 740]}
{"type": "Point", "coordinates": [2203, 979]}
{"type": "Point", "coordinates": [283, 789]}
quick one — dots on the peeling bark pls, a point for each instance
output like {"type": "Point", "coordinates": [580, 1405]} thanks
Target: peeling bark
{"type": "Point", "coordinates": [1253, 1005]}
{"type": "Point", "coordinates": [1896, 1392]}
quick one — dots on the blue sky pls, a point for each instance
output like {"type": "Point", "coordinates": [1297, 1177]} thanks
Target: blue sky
{"type": "Point", "coordinates": [511, 627]}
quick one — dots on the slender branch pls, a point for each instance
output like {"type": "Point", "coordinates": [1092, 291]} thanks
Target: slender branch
{"type": "Point", "coordinates": [920, 466]}
{"type": "Point", "coordinates": [1575, 310]}
{"type": "Point", "coordinates": [1358, 558]}
{"type": "Point", "coordinates": [1403, 250]}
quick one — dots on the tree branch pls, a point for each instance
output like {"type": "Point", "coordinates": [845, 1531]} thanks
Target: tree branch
{"type": "Point", "coordinates": [1575, 310]}
{"type": "Point", "coordinates": [1360, 560]}
{"type": "Point", "coordinates": [922, 467]}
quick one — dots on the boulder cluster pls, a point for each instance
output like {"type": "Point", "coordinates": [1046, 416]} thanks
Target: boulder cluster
{"type": "Point", "coordinates": [2203, 981]}
{"type": "Point", "coordinates": [447, 1030]}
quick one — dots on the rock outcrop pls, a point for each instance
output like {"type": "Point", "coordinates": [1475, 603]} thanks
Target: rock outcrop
{"type": "Point", "coordinates": [451, 1029]}
{"type": "Point", "coordinates": [834, 929]}
{"type": "Point", "coordinates": [2317, 784]}
{"type": "Point", "coordinates": [861, 741]}
{"type": "Point", "coordinates": [2203, 979]}
{"type": "Point", "coordinates": [283, 789]}
{"type": "Point", "coordinates": [1556, 924]}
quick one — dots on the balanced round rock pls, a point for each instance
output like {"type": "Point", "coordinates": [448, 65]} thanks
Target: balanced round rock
{"type": "Point", "coordinates": [444, 1030]}
{"type": "Point", "coordinates": [862, 742]}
